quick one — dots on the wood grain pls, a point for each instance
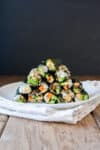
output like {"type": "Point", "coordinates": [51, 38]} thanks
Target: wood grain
{"type": "Point", "coordinates": [96, 115]}
{"type": "Point", "coordinates": [3, 121]}
{"type": "Point", "coordinates": [8, 79]}
{"type": "Point", "coordinates": [3, 118]}
{"type": "Point", "coordinates": [24, 134]}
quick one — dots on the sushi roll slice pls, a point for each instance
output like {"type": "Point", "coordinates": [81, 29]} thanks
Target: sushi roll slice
{"type": "Point", "coordinates": [20, 98]}
{"type": "Point", "coordinates": [82, 96]}
{"type": "Point", "coordinates": [61, 76]}
{"type": "Point", "coordinates": [64, 69]}
{"type": "Point", "coordinates": [67, 96]}
{"type": "Point", "coordinates": [24, 89]}
{"type": "Point", "coordinates": [49, 78]}
{"type": "Point", "coordinates": [35, 98]}
{"type": "Point", "coordinates": [55, 88]}
{"type": "Point", "coordinates": [67, 84]}
{"type": "Point", "coordinates": [51, 98]}
{"type": "Point", "coordinates": [43, 87]}
{"type": "Point", "coordinates": [64, 93]}
{"type": "Point", "coordinates": [42, 69]}
{"type": "Point", "coordinates": [34, 78]}
{"type": "Point", "coordinates": [51, 65]}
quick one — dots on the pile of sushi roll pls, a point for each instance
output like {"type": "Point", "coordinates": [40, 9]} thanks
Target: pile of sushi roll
{"type": "Point", "coordinates": [50, 83]}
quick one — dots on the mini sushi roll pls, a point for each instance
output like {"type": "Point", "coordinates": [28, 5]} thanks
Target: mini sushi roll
{"type": "Point", "coordinates": [55, 88]}
{"type": "Point", "coordinates": [51, 65]}
{"type": "Point", "coordinates": [82, 96]}
{"type": "Point", "coordinates": [34, 80]}
{"type": "Point", "coordinates": [24, 89]}
{"type": "Point", "coordinates": [67, 84]}
{"type": "Point", "coordinates": [61, 76]}
{"type": "Point", "coordinates": [64, 69]}
{"type": "Point", "coordinates": [35, 98]}
{"type": "Point", "coordinates": [42, 69]}
{"type": "Point", "coordinates": [64, 93]}
{"type": "Point", "coordinates": [51, 98]}
{"type": "Point", "coordinates": [67, 96]}
{"type": "Point", "coordinates": [43, 87]}
{"type": "Point", "coordinates": [49, 78]}
{"type": "Point", "coordinates": [20, 98]}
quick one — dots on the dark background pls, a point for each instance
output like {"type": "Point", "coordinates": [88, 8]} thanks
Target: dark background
{"type": "Point", "coordinates": [32, 30]}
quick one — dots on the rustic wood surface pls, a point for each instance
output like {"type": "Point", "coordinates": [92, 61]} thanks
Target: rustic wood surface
{"type": "Point", "coordinates": [24, 134]}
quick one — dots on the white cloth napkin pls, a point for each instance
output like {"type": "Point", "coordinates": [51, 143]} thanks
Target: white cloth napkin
{"type": "Point", "coordinates": [68, 113]}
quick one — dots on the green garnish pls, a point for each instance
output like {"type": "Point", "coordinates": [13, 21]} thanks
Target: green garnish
{"type": "Point", "coordinates": [61, 79]}
{"type": "Point", "coordinates": [76, 90]}
{"type": "Point", "coordinates": [33, 81]}
{"type": "Point", "coordinates": [22, 100]}
{"type": "Point", "coordinates": [54, 100]}
{"type": "Point", "coordinates": [86, 97]}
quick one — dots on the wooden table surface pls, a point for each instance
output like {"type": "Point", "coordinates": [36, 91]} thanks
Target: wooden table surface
{"type": "Point", "coordinates": [25, 134]}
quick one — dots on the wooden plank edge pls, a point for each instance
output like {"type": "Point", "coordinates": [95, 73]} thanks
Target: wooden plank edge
{"type": "Point", "coordinates": [96, 116]}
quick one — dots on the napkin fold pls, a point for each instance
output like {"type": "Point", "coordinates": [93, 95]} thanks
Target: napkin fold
{"type": "Point", "coordinates": [57, 113]}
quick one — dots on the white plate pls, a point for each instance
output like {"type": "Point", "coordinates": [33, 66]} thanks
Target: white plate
{"type": "Point", "coordinates": [8, 91]}
{"type": "Point", "coordinates": [62, 112]}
